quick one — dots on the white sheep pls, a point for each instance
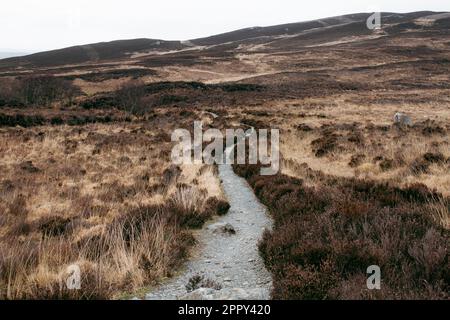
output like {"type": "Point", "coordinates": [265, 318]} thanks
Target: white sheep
{"type": "Point", "coordinates": [402, 119]}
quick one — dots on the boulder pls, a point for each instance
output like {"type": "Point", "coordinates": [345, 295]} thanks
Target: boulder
{"type": "Point", "coordinates": [222, 227]}
{"type": "Point", "coordinates": [199, 294]}
{"type": "Point", "coordinates": [227, 294]}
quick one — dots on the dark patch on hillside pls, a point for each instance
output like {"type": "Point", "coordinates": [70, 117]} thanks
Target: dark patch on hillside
{"type": "Point", "coordinates": [91, 53]}
{"type": "Point", "coordinates": [112, 74]}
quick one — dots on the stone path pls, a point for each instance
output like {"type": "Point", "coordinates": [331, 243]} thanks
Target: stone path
{"type": "Point", "coordinates": [232, 260]}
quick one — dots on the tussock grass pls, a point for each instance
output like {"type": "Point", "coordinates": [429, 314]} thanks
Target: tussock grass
{"type": "Point", "coordinates": [353, 191]}
{"type": "Point", "coordinates": [102, 197]}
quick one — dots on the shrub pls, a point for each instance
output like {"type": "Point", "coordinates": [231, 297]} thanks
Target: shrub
{"type": "Point", "coordinates": [216, 206]}
{"type": "Point", "coordinates": [303, 127]}
{"type": "Point", "coordinates": [9, 89]}
{"type": "Point", "coordinates": [356, 137]}
{"type": "Point", "coordinates": [99, 102]}
{"type": "Point", "coordinates": [187, 214]}
{"type": "Point", "coordinates": [171, 99]}
{"type": "Point", "coordinates": [386, 164]}
{"type": "Point", "coordinates": [21, 120]}
{"type": "Point", "coordinates": [28, 166]}
{"type": "Point", "coordinates": [43, 90]}
{"type": "Point", "coordinates": [130, 97]}
{"type": "Point", "coordinates": [325, 237]}
{"type": "Point", "coordinates": [433, 129]}
{"type": "Point", "coordinates": [233, 87]}
{"type": "Point", "coordinates": [434, 157]}
{"type": "Point", "coordinates": [170, 175]}
{"type": "Point", "coordinates": [53, 226]}
{"type": "Point", "coordinates": [419, 166]}
{"type": "Point", "coordinates": [356, 160]}
{"type": "Point", "coordinates": [325, 144]}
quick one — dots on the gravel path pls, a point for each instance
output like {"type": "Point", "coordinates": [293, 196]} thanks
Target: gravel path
{"type": "Point", "coordinates": [231, 260]}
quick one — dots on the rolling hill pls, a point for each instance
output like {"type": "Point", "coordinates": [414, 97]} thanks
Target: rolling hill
{"type": "Point", "coordinates": [292, 35]}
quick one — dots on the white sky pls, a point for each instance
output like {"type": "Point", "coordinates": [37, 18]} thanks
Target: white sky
{"type": "Point", "coordinates": [30, 25]}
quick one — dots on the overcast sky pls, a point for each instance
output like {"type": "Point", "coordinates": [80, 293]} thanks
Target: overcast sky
{"type": "Point", "coordinates": [30, 25]}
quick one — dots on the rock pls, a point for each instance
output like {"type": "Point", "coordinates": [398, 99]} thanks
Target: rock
{"type": "Point", "coordinates": [227, 294]}
{"type": "Point", "coordinates": [242, 294]}
{"type": "Point", "coordinates": [402, 119]}
{"type": "Point", "coordinates": [199, 294]}
{"type": "Point", "coordinates": [222, 227]}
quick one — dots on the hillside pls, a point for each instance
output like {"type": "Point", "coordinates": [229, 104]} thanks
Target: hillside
{"type": "Point", "coordinates": [302, 34]}
{"type": "Point", "coordinates": [88, 179]}
{"type": "Point", "coordinates": [96, 52]}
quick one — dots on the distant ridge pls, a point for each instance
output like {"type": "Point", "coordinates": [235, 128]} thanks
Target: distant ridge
{"type": "Point", "coordinates": [302, 33]}
{"type": "Point", "coordinates": [10, 54]}
{"type": "Point", "coordinates": [94, 52]}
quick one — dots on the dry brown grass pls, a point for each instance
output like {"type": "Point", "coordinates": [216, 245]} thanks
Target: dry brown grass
{"type": "Point", "coordinates": [361, 140]}
{"type": "Point", "coordinates": [105, 197]}
{"type": "Point", "coordinates": [69, 196]}
{"type": "Point", "coordinates": [355, 190]}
